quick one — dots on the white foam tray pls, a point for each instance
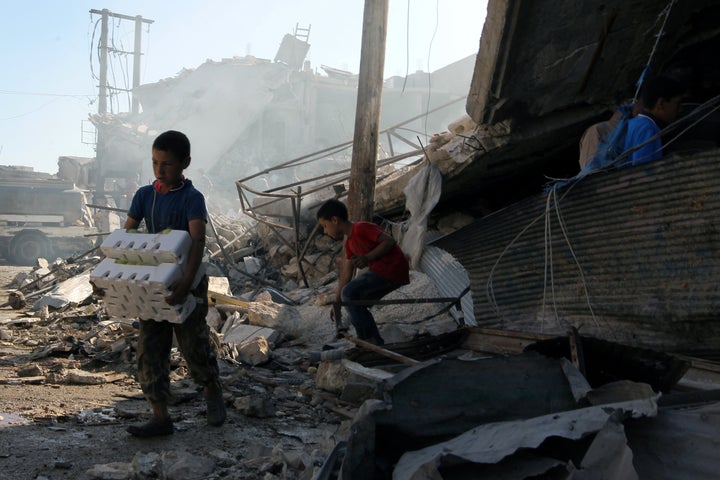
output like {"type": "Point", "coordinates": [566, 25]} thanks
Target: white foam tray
{"type": "Point", "coordinates": [147, 248]}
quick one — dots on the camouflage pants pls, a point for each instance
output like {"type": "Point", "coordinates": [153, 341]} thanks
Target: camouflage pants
{"type": "Point", "coordinates": [193, 336]}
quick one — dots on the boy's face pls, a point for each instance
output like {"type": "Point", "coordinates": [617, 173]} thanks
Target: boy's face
{"type": "Point", "coordinates": [668, 110]}
{"type": "Point", "coordinates": [331, 227]}
{"type": "Point", "coordinates": [167, 169]}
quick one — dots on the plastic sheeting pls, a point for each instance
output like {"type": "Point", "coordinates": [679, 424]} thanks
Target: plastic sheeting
{"type": "Point", "coordinates": [422, 193]}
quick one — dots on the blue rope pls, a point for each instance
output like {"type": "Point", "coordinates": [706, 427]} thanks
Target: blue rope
{"type": "Point", "coordinates": [640, 81]}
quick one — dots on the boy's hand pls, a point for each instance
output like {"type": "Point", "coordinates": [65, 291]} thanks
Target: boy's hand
{"type": "Point", "coordinates": [97, 291]}
{"type": "Point", "coordinates": [178, 294]}
{"type": "Point", "coordinates": [360, 261]}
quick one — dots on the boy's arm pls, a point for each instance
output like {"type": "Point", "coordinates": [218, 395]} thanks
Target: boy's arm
{"type": "Point", "coordinates": [182, 288]}
{"type": "Point", "coordinates": [130, 223]}
{"type": "Point", "coordinates": [346, 273]}
{"type": "Point", "coordinates": [385, 244]}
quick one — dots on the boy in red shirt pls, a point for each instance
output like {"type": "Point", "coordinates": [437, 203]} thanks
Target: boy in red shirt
{"type": "Point", "coordinates": [366, 245]}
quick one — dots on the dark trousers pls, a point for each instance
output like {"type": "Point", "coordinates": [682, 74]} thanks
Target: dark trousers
{"type": "Point", "coordinates": [367, 286]}
{"type": "Point", "coordinates": [193, 336]}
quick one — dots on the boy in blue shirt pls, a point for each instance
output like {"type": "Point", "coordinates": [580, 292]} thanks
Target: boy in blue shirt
{"type": "Point", "coordinates": [171, 202]}
{"type": "Point", "coordinates": [661, 97]}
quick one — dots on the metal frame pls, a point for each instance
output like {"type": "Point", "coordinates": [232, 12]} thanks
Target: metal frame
{"type": "Point", "coordinates": [294, 191]}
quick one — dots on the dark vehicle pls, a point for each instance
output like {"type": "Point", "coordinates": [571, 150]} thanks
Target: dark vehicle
{"type": "Point", "coordinates": [41, 216]}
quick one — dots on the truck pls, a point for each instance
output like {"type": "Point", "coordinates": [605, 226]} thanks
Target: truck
{"type": "Point", "coordinates": [42, 216]}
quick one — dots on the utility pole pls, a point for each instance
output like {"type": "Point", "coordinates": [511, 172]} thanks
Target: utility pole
{"type": "Point", "coordinates": [361, 194]}
{"type": "Point", "coordinates": [104, 88]}
{"type": "Point", "coordinates": [102, 103]}
{"type": "Point", "coordinates": [137, 53]}
{"type": "Point", "coordinates": [136, 61]}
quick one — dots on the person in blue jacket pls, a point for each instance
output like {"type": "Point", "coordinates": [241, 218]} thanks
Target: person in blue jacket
{"type": "Point", "coordinates": [660, 97]}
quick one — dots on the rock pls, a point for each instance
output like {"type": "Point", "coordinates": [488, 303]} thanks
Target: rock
{"type": "Point", "coordinates": [238, 332]}
{"type": "Point", "coordinates": [258, 407]}
{"type": "Point", "coordinates": [325, 243]}
{"type": "Point", "coordinates": [80, 377]}
{"type": "Point", "coordinates": [17, 300]}
{"type": "Point", "coordinates": [464, 125]}
{"type": "Point", "coordinates": [31, 370]}
{"type": "Point", "coordinates": [255, 351]}
{"type": "Point", "coordinates": [110, 471]}
{"type": "Point", "coordinates": [223, 458]}
{"type": "Point", "coordinates": [331, 376]}
{"type": "Point", "coordinates": [252, 265]}
{"type": "Point", "coordinates": [219, 285]}
{"type": "Point", "coordinates": [274, 315]}
{"type": "Point", "coordinates": [214, 319]}
{"type": "Point", "coordinates": [178, 465]}
{"type": "Point", "coordinates": [146, 465]}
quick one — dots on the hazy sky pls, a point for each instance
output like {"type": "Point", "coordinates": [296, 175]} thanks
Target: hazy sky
{"type": "Point", "coordinates": [47, 88]}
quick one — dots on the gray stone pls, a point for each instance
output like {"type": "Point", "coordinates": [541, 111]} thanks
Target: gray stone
{"type": "Point", "coordinates": [255, 351]}
{"type": "Point", "coordinates": [258, 407]}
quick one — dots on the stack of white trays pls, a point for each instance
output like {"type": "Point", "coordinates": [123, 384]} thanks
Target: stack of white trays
{"type": "Point", "coordinates": [139, 270]}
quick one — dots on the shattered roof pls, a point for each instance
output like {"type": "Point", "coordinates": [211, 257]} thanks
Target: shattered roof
{"type": "Point", "coordinates": [547, 56]}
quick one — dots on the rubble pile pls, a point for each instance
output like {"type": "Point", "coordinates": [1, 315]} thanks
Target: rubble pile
{"type": "Point", "coordinates": [230, 238]}
{"type": "Point", "coordinates": [433, 388]}
{"type": "Point", "coordinates": [78, 344]}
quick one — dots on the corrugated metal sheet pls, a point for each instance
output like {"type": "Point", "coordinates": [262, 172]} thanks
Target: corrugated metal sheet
{"type": "Point", "coordinates": [450, 278]}
{"type": "Point", "coordinates": [645, 237]}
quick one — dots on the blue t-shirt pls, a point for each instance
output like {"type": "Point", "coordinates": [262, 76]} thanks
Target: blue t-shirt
{"type": "Point", "coordinates": [640, 130]}
{"type": "Point", "coordinates": [172, 210]}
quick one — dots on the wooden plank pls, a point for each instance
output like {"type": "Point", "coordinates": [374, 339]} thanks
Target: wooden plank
{"type": "Point", "coordinates": [382, 351]}
{"type": "Point", "coordinates": [216, 297]}
{"type": "Point", "coordinates": [499, 341]}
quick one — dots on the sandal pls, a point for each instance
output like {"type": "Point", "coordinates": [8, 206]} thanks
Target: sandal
{"type": "Point", "coordinates": [152, 428]}
{"type": "Point", "coordinates": [215, 406]}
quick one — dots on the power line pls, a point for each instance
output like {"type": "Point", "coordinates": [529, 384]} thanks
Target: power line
{"type": "Point", "coordinates": [45, 94]}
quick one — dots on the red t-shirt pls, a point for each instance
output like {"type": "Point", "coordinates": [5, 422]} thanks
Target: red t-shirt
{"type": "Point", "coordinates": [392, 266]}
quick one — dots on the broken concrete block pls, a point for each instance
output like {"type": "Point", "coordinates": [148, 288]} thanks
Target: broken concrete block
{"type": "Point", "coordinates": [255, 351]}
{"type": "Point", "coordinates": [81, 377]}
{"type": "Point", "coordinates": [214, 319]}
{"type": "Point", "coordinates": [463, 125]}
{"type": "Point", "coordinates": [325, 243]}
{"type": "Point", "coordinates": [252, 265]}
{"type": "Point", "coordinates": [238, 333]}
{"type": "Point", "coordinates": [290, 270]}
{"type": "Point", "coordinates": [331, 376]}
{"type": "Point", "coordinates": [267, 313]}
{"type": "Point", "coordinates": [219, 285]}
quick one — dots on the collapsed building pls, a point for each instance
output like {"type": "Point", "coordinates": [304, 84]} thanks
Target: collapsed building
{"type": "Point", "coordinates": [556, 289]}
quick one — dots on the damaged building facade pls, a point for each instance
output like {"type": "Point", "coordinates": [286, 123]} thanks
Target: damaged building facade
{"type": "Point", "coordinates": [577, 318]}
{"type": "Point", "coordinates": [247, 114]}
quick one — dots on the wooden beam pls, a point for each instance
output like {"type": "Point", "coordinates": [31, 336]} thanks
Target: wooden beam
{"type": "Point", "coordinates": [382, 351]}
{"type": "Point", "coordinates": [361, 194]}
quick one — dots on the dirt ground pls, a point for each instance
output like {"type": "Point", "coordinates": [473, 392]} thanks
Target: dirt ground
{"type": "Point", "coordinates": [57, 430]}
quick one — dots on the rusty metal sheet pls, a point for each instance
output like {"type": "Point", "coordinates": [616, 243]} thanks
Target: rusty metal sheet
{"type": "Point", "coordinates": [631, 255]}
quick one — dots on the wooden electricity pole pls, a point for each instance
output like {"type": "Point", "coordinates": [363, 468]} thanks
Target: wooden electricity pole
{"type": "Point", "coordinates": [105, 88]}
{"type": "Point", "coordinates": [361, 193]}
{"type": "Point", "coordinates": [104, 48]}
